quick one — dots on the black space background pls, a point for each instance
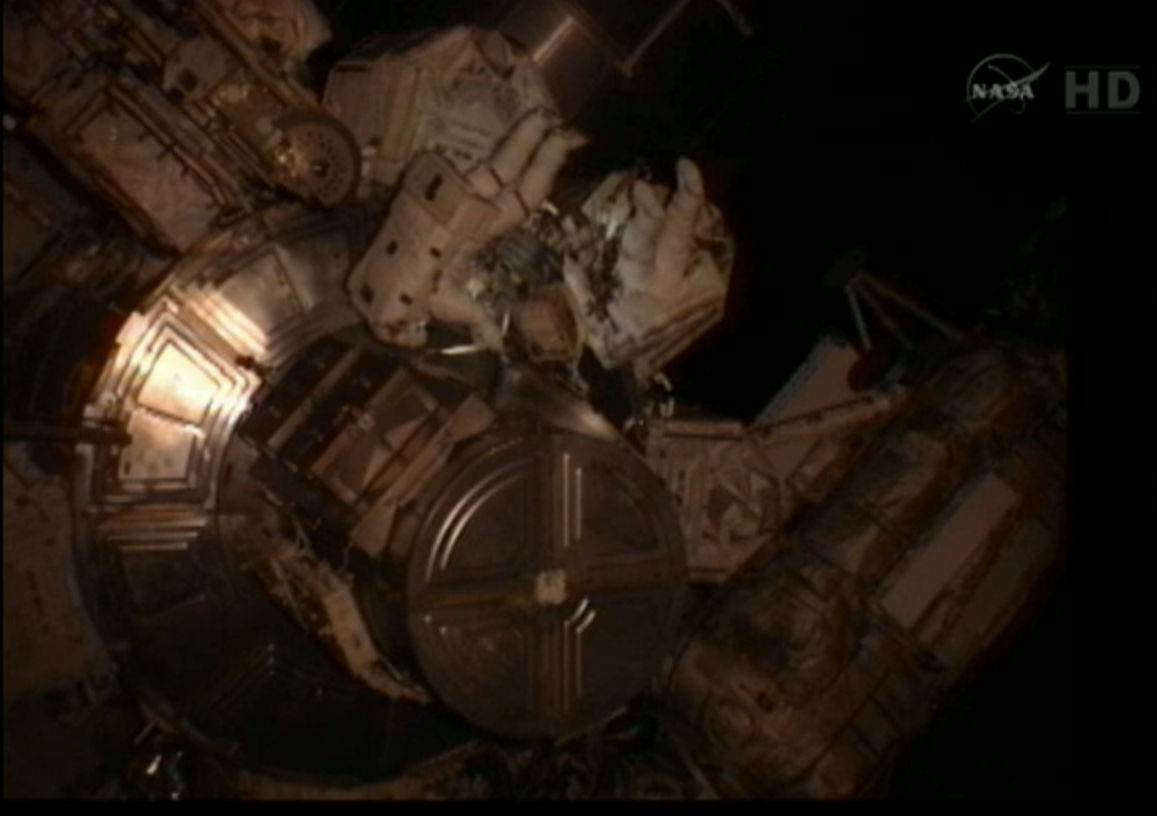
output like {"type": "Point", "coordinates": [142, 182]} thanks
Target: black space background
{"type": "Point", "coordinates": [831, 129]}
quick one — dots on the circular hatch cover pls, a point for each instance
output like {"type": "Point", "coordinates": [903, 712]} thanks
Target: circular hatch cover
{"type": "Point", "coordinates": [545, 584]}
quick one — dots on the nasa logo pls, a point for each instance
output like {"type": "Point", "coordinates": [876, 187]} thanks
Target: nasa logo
{"type": "Point", "coordinates": [1001, 80]}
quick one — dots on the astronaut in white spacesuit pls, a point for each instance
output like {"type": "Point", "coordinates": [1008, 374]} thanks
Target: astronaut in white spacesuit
{"type": "Point", "coordinates": [464, 128]}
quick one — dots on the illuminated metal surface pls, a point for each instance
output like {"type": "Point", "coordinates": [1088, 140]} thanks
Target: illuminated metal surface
{"type": "Point", "coordinates": [166, 532]}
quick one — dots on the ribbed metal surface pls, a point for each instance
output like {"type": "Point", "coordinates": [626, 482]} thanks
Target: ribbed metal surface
{"type": "Point", "coordinates": [545, 584]}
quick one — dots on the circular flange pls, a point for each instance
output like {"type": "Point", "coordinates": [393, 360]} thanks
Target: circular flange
{"type": "Point", "coordinates": [318, 158]}
{"type": "Point", "coordinates": [544, 584]}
